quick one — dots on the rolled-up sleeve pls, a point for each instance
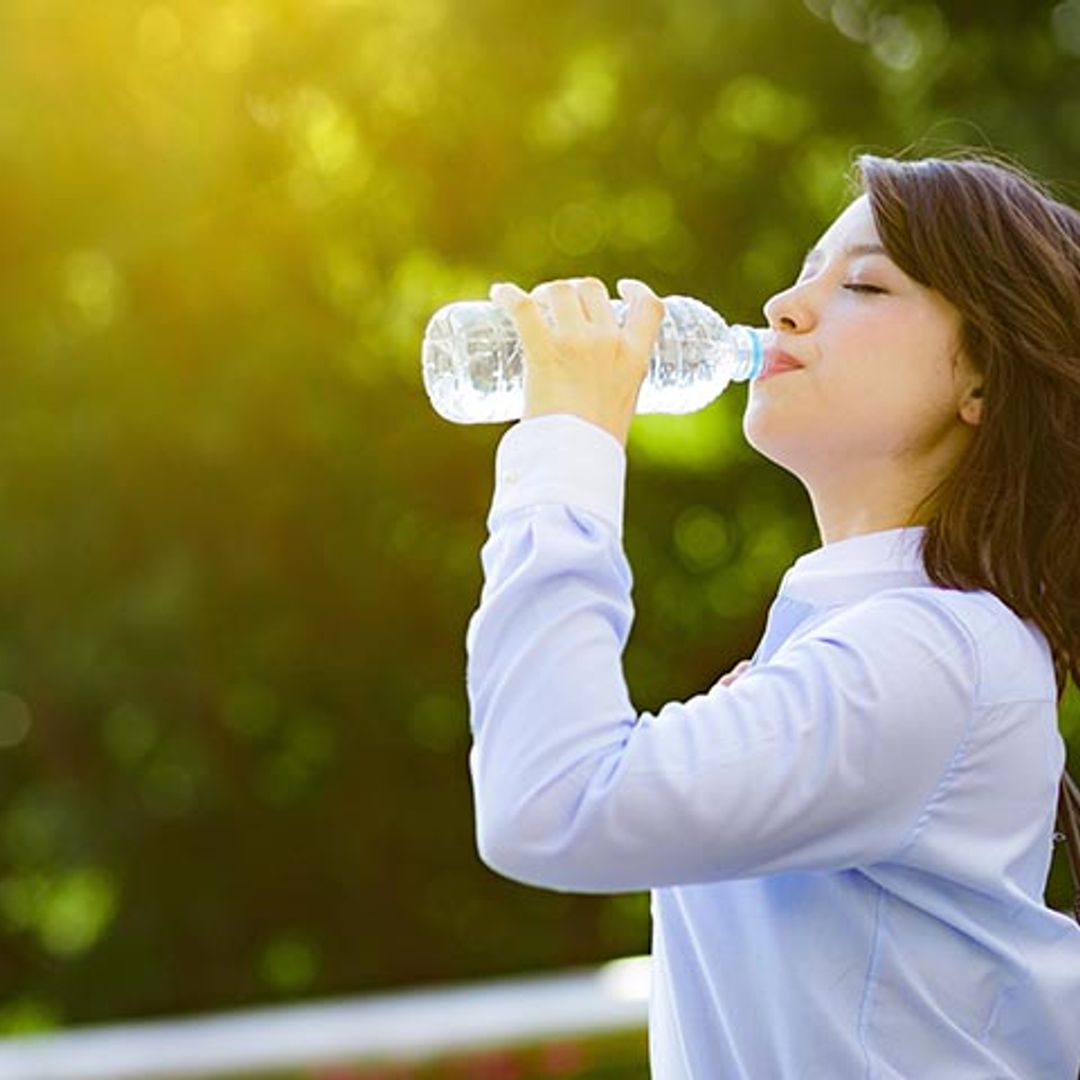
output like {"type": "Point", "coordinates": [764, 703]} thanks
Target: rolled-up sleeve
{"type": "Point", "coordinates": [829, 756]}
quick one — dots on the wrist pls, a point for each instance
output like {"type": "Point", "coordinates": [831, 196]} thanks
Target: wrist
{"type": "Point", "coordinates": [615, 427]}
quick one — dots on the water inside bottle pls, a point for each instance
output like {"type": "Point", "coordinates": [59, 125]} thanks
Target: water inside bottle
{"type": "Point", "coordinates": [490, 389]}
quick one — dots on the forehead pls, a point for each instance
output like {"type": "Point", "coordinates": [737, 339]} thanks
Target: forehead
{"type": "Point", "coordinates": [854, 225]}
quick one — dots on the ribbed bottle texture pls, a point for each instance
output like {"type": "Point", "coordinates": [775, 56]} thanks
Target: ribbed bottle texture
{"type": "Point", "coordinates": [472, 360]}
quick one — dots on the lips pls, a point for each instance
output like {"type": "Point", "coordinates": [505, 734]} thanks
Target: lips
{"type": "Point", "coordinates": [777, 361]}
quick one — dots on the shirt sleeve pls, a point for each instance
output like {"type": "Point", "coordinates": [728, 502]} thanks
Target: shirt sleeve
{"type": "Point", "coordinates": [827, 757]}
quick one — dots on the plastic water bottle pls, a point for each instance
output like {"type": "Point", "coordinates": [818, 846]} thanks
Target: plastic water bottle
{"type": "Point", "coordinates": [473, 373]}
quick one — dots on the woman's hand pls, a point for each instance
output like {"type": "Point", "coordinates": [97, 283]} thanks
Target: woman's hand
{"type": "Point", "coordinates": [735, 672]}
{"type": "Point", "coordinates": [578, 359]}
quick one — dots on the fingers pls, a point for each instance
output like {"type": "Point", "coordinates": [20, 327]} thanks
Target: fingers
{"type": "Point", "coordinates": [559, 298]}
{"type": "Point", "coordinates": [740, 668]}
{"type": "Point", "coordinates": [594, 299]}
{"type": "Point", "coordinates": [577, 304]}
{"type": "Point", "coordinates": [574, 301]}
{"type": "Point", "coordinates": [532, 327]}
{"type": "Point", "coordinates": [645, 315]}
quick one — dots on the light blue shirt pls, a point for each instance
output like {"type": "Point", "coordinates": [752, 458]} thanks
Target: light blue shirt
{"type": "Point", "coordinates": [846, 848]}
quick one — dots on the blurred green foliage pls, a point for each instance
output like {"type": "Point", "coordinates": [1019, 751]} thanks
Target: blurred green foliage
{"type": "Point", "coordinates": [238, 550]}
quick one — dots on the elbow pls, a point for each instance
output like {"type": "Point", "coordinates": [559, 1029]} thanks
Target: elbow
{"type": "Point", "coordinates": [532, 858]}
{"type": "Point", "coordinates": [507, 862]}
{"type": "Point", "coordinates": [512, 854]}
{"type": "Point", "coordinates": [552, 835]}
{"type": "Point", "coordinates": [519, 837]}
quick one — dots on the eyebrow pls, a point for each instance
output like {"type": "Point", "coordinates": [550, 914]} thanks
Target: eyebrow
{"type": "Point", "coordinates": [850, 252]}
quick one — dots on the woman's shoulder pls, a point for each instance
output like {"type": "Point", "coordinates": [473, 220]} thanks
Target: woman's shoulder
{"type": "Point", "coordinates": [1014, 658]}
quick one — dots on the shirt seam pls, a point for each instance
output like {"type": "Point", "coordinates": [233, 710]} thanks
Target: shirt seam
{"type": "Point", "coordinates": [871, 984]}
{"type": "Point", "coordinates": [961, 750]}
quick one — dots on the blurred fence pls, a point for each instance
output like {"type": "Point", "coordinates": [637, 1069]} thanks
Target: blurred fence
{"type": "Point", "coordinates": [404, 1027]}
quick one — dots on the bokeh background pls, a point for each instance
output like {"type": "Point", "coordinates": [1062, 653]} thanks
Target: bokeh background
{"type": "Point", "coordinates": [238, 549]}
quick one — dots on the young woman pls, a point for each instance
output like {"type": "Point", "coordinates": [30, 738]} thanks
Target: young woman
{"type": "Point", "coordinates": [847, 841]}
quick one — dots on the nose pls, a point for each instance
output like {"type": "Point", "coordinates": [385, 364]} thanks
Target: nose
{"type": "Point", "coordinates": [789, 311]}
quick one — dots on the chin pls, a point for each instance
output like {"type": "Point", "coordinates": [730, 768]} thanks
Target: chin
{"type": "Point", "coordinates": [767, 433]}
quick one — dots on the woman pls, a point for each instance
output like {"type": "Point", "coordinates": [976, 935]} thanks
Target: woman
{"type": "Point", "coordinates": [846, 842]}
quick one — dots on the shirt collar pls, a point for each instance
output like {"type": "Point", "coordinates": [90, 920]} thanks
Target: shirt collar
{"type": "Point", "coordinates": [848, 570]}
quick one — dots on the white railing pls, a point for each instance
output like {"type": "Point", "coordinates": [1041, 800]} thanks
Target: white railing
{"type": "Point", "coordinates": [407, 1026]}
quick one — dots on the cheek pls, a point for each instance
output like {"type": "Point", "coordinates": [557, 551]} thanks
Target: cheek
{"type": "Point", "coordinates": [891, 408]}
{"type": "Point", "coordinates": [870, 389]}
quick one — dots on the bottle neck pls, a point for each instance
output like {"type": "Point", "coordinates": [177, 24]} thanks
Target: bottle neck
{"type": "Point", "coordinates": [749, 352]}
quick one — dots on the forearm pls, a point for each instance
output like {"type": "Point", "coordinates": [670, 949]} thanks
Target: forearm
{"type": "Point", "coordinates": [550, 711]}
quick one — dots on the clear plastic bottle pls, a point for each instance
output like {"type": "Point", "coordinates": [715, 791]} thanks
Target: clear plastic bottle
{"type": "Point", "coordinates": [472, 360]}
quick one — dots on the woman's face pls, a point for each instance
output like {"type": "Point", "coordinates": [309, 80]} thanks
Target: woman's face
{"type": "Point", "coordinates": [879, 409]}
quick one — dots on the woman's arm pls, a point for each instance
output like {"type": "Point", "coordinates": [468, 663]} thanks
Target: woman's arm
{"type": "Point", "coordinates": [826, 757]}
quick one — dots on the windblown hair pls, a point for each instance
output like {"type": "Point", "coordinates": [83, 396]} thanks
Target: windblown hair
{"type": "Point", "coordinates": [1006, 254]}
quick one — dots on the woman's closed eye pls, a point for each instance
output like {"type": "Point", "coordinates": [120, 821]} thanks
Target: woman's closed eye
{"type": "Point", "coordinates": [858, 286]}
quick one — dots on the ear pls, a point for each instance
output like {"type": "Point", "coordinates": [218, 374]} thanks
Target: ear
{"type": "Point", "coordinates": [971, 406]}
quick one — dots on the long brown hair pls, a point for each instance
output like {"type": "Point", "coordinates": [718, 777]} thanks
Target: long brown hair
{"type": "Point", "coordinates": [1005, 252]}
